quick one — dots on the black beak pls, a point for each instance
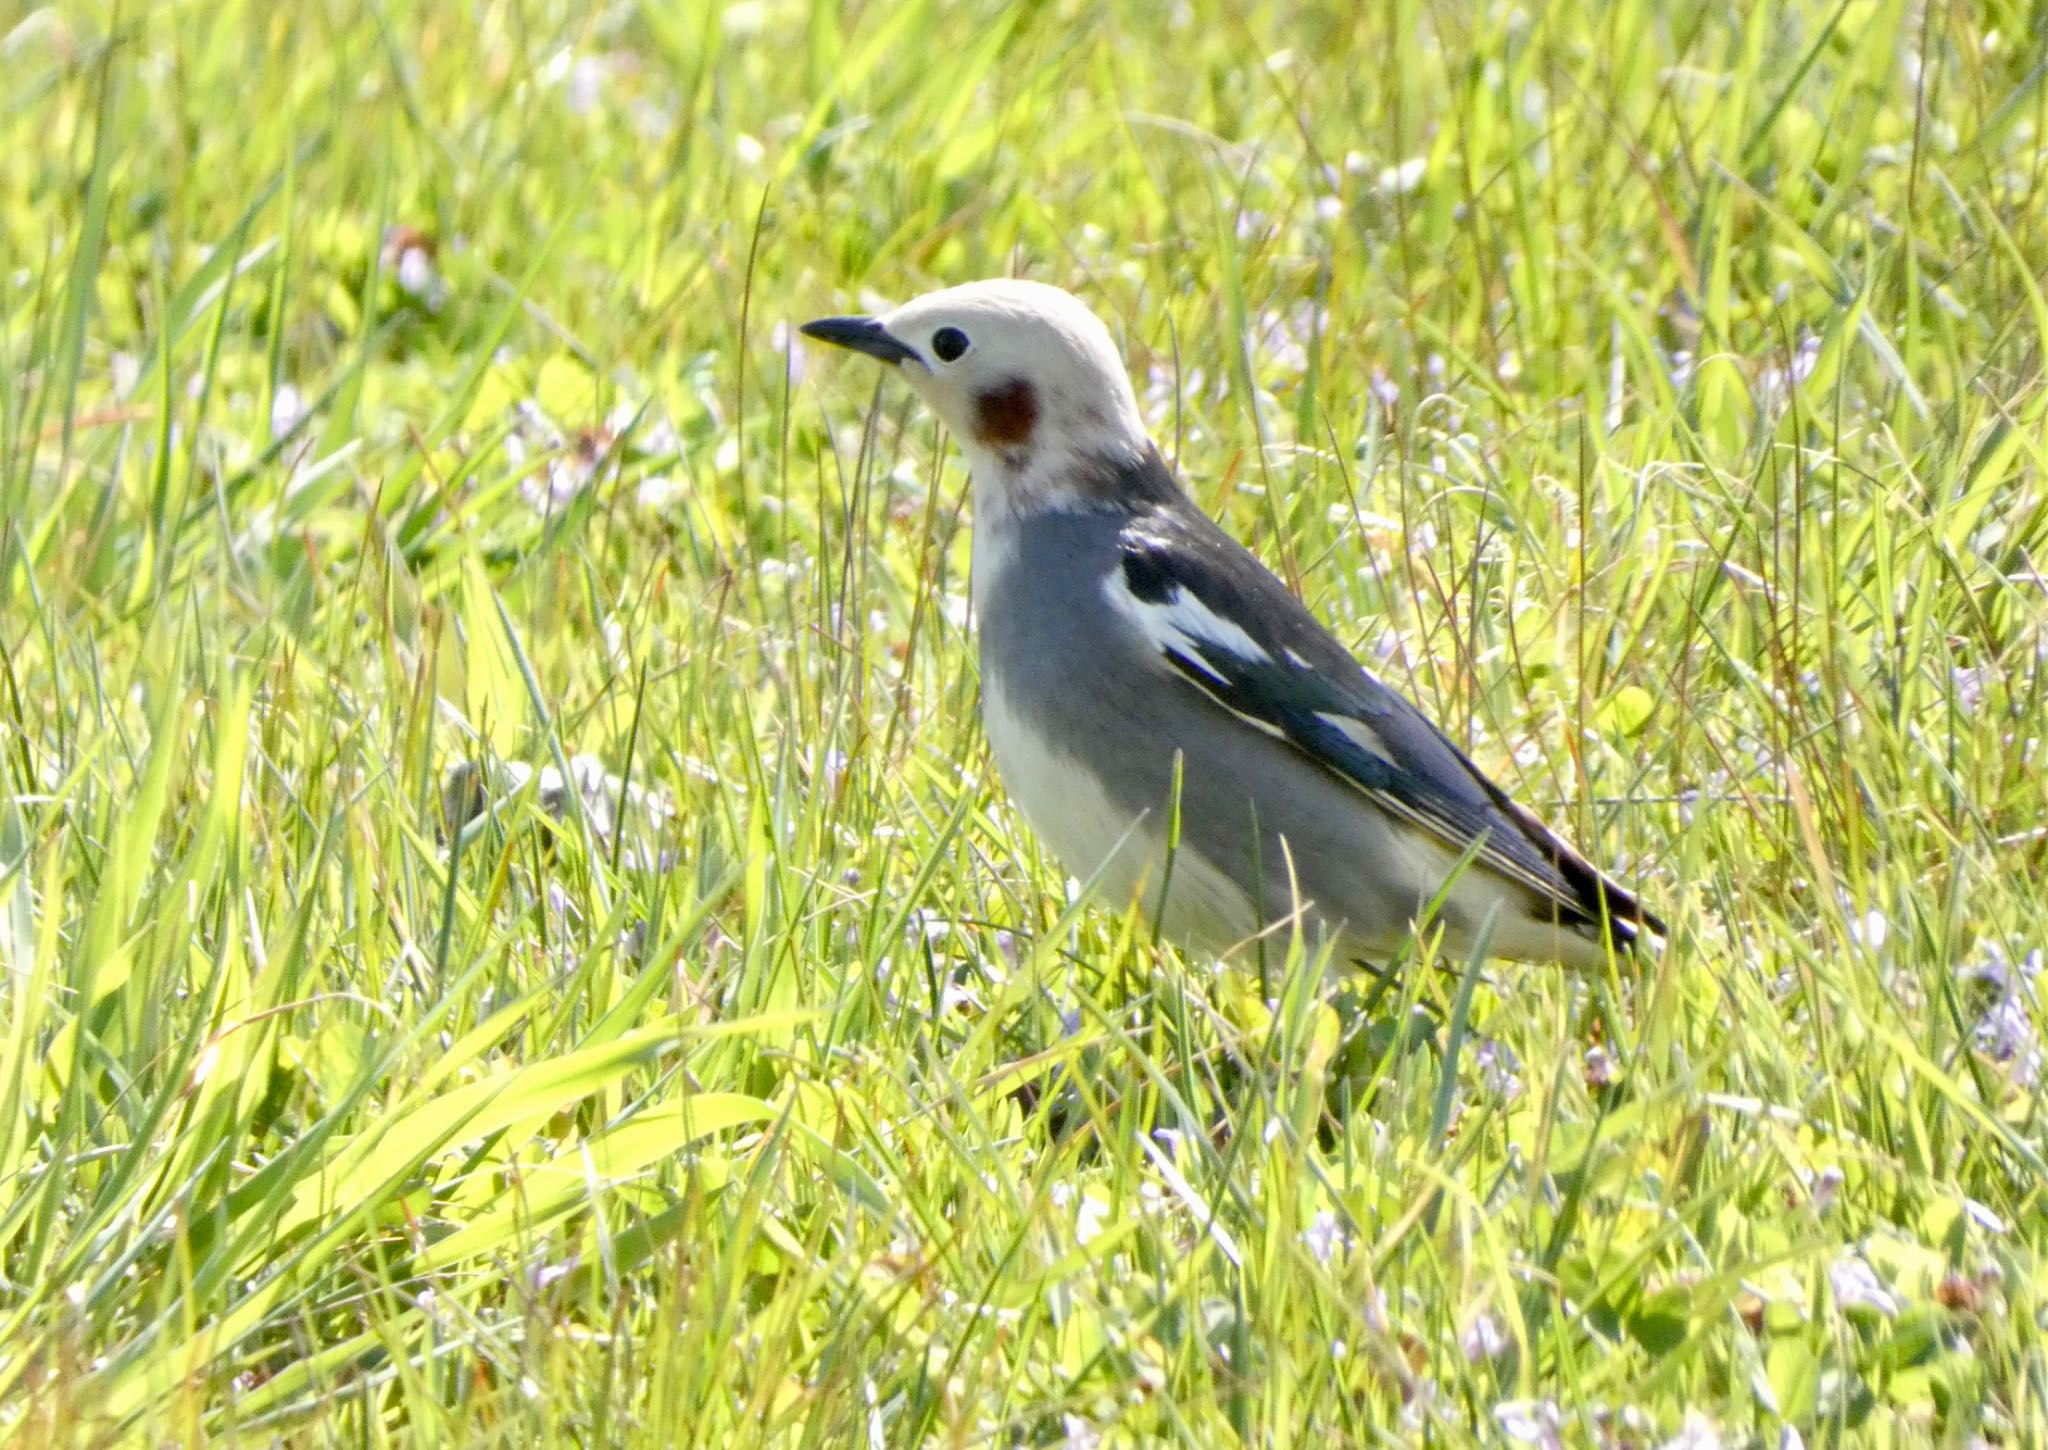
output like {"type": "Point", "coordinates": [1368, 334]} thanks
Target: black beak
{"type": "Point", "coordinates": [861, 334]}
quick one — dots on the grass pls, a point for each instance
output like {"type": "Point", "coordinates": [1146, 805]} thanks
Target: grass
{"type": "Point", "coordinates": [393, 396]}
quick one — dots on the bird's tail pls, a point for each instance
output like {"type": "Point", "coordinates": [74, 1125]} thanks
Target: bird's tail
{"type": "Point", "coordinates": [1601, 904]}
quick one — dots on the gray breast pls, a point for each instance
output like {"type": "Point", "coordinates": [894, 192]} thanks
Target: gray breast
{"type": "Point", "coordinates": [1085, 724]}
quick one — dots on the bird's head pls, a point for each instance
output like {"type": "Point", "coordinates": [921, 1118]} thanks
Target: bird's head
{"type": "Point", "coordinates": [1026, 378]}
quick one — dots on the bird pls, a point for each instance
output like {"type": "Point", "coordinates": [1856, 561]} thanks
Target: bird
{"type": "Point", "coordinates": [1168, 716]}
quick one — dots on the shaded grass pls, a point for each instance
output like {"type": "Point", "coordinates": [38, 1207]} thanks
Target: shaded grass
{"type": "Point", "coordinates": [1653, 392]}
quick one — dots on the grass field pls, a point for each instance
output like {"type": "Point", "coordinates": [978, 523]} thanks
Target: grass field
{"type": "Point", "coordinates": [398, 417]}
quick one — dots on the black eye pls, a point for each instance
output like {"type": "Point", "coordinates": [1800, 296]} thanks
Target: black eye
{"type": "Point", "coordinates": [949, 343]}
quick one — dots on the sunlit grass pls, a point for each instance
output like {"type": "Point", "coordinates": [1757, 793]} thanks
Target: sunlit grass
{"type": "Point", "coordinates": [404, 458]}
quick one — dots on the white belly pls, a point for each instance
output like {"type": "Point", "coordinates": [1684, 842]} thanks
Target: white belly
{"type": "Point", "coordinates": [1097, 840]}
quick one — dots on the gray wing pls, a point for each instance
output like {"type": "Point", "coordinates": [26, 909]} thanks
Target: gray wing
{"type": "Point", "coordinates": [1210, 600]}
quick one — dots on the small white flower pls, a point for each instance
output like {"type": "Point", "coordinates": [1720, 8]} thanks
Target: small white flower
{"type": "Point", "coordinates": [1870, 930]}
{"type": "Point", "coordinates": [1983, 1217]}
{"type": "Point", "coordinates": [2006, 998]}
{"type": "Point", "coordinates": [1856, 1286]}
{"type": "Point", "coordinates": [1826, 1189]}
{"type": "Point", "coordinates": [1403, 179]}
{"type": "Point", "coordinates": [958, 996]}
{"type": "Point", "coordinates": [1080, 1435]}
{"type": "Point", "coordinates": [1599, 1067]}
{"type": "Point", "coordinates": [1323, 1237]}
{"type": "Point", "coordinates": [588, 77]}
{"type": "Point", "coordinates": [415, 272]}
{"type": "Point", "coordinates": [287, 408]}
{"type": "Point", "coordinates": [927, 925]}
{"type": "Point", "coordinates": [1697, 1433]}
{"type": "Point", "coordinates": [657, 492]}
{"type": "Point", "coordinates": [547, 1274]}
{"type": "Point", "coordinates": [1499, 1070]}
{"type": "Point", "coordinates": [1089, 1220]}
{"type": "Point", "coordinates": [1484, 1340]}
{"type": "Point", "coordinates": [1530, 1422]}
{"type": "Point", "coordinates": [1806, 358]}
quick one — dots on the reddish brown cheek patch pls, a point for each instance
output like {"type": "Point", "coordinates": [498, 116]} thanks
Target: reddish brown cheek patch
{"type": "Point", "coordinates": [1004, 416]}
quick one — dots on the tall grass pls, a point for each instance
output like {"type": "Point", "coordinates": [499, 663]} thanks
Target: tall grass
{"type": "Point", "coordinates": [507, 930]}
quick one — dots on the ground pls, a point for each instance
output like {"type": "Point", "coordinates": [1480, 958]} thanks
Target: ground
{"type": "Point", "coordinates": [508, 933]}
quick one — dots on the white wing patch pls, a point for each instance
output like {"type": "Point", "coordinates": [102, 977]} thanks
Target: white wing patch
{"type": "Point", "coordinates": [1183, 625]}
{"type": "Point", "coordinates": [1358, 733]}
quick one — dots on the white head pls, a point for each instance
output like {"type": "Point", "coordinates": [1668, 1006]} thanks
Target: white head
{"type": "Point", "coordinates": [1027, 379]}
